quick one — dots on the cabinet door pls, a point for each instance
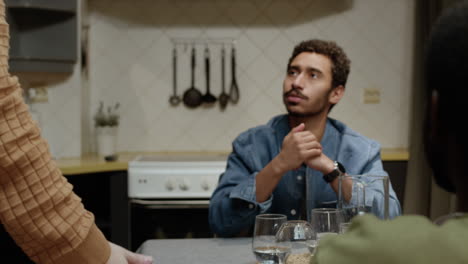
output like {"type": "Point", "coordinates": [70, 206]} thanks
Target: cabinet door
{"type": "Point", "coordinates": [105, 195]}
{"type": "Point", "coordinates": [397, 172]}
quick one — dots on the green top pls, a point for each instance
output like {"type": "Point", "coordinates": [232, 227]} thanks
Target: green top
{"type": "Point", "coordinates": [406, 239]}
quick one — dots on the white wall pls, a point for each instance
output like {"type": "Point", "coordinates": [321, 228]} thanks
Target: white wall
{"type": "Point", "coordinates": [130, 62]}
{"type": "Point", "coordinates": [60, 116]}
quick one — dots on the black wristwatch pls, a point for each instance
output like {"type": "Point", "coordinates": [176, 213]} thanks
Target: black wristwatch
{"type": "Point", "coordinates": [339, 170]}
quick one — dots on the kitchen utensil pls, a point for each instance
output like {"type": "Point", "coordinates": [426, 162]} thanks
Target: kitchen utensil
{"type": "Point", "coordinates": [192, 96]}
{"type": "Point", "coordinates": [234, 91]}
{"type": "Point", "coordinates": [174, 99]}
{"type": "Point", "coordinates": [223, 97]}
{"type": "Point", "coordinates": [208, 97]}
{"type": "Point", "coordinates": [264, 245]}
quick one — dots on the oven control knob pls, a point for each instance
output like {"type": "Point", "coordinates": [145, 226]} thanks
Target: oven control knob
{"type": "Point", "coordinates": [170, 185]}
{"type": "Point", "coordinates": [183, 185]}
{"type": "Point", "coordinates": [205, 186]}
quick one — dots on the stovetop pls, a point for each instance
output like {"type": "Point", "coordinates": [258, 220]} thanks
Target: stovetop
{"type": "Point", "coordinates": [174, 176]}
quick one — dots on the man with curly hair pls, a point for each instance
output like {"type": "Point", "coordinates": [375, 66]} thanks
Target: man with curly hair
{"type": "Point", "coordinates": [291, 165]}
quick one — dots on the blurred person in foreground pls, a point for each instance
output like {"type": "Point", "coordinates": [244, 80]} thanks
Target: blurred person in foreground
{"type": "Point", "coordinates": [38, 208]}
{"type": "Point", "coordinates": [415, 239]}
{"type": "Point", "coordinates": [291, 165]}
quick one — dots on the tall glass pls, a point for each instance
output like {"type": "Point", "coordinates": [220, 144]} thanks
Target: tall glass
{"type": "Point", "coordinates": [265, 247]}
{"type": "Point", "coordinates": [369, 194]}
{"type": "Point", "coordinates": [326, 221]}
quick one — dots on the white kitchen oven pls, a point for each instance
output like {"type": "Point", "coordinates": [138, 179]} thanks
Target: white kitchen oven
{"type": "Point", "coordinates": [170, 193]}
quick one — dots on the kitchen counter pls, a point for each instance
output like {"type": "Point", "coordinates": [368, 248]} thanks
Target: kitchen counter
{"type": "Point", "coordinates": [399, 154]}
{"type": "Point", "coordinates": [94, 164]}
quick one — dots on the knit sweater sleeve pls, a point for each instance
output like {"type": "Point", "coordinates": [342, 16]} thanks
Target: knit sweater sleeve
{"type": "Point", "coordinates": [37, 205]}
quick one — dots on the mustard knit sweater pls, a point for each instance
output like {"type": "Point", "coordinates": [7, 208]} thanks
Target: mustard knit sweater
{"type": "Point", "coordinates": [37, 205]}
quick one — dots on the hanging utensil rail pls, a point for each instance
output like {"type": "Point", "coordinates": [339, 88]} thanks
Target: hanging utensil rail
{"type": "Point", "coordinates": [188, 42]}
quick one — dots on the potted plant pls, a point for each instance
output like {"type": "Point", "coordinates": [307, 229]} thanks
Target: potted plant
{"type": "Point", "coordinates": [107, 123]}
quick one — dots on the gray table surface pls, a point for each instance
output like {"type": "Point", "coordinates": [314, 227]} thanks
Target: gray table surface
{"type": "Point", "coordinates": [199, 251]}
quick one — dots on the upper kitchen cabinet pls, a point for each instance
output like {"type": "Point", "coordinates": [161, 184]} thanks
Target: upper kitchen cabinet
{"type": "Point", "coordinates": [43, 35]}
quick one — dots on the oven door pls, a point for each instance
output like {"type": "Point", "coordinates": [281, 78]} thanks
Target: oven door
{"type": "Point", "coordinates": [174, 218]}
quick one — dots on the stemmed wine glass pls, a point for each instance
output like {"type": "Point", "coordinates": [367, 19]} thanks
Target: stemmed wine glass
{"type": "Point", "coordinates": [266, 248]}
{"type": "Point", "coordinates": [299, 236]}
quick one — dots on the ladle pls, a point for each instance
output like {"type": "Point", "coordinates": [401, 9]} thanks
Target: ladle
{"type": "Point", "coordinates": [208, 97]}
{"type": "Point", "coordinates": [192, 97]}
{"type": "Point", "coordinates": [223, 97]}
{"type": "Point", "coordinates": [174, 99]}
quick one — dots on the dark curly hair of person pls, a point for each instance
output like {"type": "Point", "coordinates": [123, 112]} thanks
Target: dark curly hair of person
{"type": "Point", "coordinates": [446, 67]}
{"type": "Point", "coordinates": [340, 62]}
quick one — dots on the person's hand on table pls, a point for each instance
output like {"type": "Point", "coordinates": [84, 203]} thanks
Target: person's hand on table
{"type": "Point", "coordinates": [120, 255]}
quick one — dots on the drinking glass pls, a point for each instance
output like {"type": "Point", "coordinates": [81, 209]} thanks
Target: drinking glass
{"type": "Point", "coordinates": [299, 236]}
{"type": "Point", "coordinates": [442, 219]}
{"type": "Point", "coordinates": [361, 202]}
{"type": "Point", "coordinates": [264, 245]}
{"type": "Point", "coordinates": [344, 227]}
{"type": "Point", "coordinates": [326, 221]}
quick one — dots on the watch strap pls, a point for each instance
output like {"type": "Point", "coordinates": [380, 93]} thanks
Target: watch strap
{"type": "Point", "coordinates": [337, 171]}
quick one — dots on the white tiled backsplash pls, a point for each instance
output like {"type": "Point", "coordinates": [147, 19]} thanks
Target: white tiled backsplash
{"type": "Point", "coordinates": [130, 62]}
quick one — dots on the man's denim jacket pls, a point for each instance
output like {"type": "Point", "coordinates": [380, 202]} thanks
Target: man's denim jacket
{"type": "Point", "coordinates": [233, 205]}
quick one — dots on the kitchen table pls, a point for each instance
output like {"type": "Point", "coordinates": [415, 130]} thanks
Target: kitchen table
{"type": "Point", "coordinates": [199, 251]}
{"type": "Point", "coordinates": [205, 251]}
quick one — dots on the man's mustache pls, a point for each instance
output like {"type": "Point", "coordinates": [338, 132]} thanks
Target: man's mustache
{"type": "Point", "coordinates": [295, 92]}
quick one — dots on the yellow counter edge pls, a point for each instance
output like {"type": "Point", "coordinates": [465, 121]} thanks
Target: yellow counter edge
{"type": "Point", "coordinates": [395, 155]}
{"type": "Point", "coordinates": [95, 164]}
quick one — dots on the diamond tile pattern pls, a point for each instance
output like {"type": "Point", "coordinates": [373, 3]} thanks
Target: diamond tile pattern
{"type": "Point", "coordinates": [130, 62]}
{"type": "Point", "coordinates": [60, 118]}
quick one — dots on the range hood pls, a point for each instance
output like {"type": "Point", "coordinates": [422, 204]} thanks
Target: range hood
{"type": "Point", "coordinates": [43, 35]}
